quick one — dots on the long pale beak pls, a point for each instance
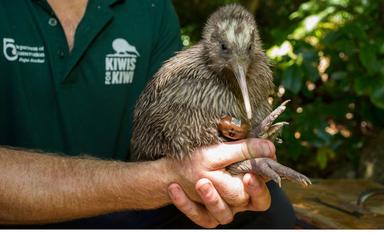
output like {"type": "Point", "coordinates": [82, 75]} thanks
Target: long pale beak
{"type": "Point", "coordinates": [240, 72]}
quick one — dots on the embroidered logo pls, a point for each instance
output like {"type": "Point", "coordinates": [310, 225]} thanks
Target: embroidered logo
{"type": "Point", "coordinates": [120, 66]}
{"type": "Point", "coordinates": [22, 53]}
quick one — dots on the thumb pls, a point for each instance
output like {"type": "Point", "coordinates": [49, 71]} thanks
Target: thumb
{"type": "Point", "coordinates": [225, 154]}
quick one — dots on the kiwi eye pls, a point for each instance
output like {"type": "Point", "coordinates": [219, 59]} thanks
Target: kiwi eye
{"type": "Point", "coordinates": [250, 47]}
{"type": "Point", "coordinates": [223, 47]}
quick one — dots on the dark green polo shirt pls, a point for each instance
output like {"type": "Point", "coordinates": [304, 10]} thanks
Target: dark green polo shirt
{"type": "Point", "coordinates": [79, 102]}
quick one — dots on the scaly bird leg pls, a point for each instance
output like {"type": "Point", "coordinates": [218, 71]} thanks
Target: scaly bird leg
{"type": "Point", "coordinates": [265, 129]}
{"type": "Point", "coordinates": [234, 129]}
{"type": "Point", "coordinates": [269, 168]}
{"type": "Point", "coordinates": [273, 130]}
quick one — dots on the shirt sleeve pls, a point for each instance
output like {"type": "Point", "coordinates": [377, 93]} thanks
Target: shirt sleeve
{"type": "Point", "coordinates": [168, 39]}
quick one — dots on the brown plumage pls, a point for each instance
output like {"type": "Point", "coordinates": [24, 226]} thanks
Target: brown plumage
{"type": "Point", "coordinates": [226, 73]}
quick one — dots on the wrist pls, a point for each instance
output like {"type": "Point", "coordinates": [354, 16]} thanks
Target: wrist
{"type": "Point", "coordinates": [144, 185]}
{"type": "Point", "coordinates": [162, 174]}
{"type": "Point", "coordinates": [168, 170]}
{"type": "Point", "coordinates": [184, 174]}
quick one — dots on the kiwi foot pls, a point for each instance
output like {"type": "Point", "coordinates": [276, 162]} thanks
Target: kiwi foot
{"type": "Point", "coordinates": [266, 129]}
{"type": "Point", "coordinates": [269, 168]}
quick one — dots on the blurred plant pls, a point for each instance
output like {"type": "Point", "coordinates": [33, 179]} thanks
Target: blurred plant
{"type": "Point", "coordinates": [331, 66]}
{"type": "Point", "coordinates": [328, 59]}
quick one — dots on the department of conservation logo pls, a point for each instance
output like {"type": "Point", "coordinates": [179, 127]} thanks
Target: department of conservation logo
{"type": "Point", "coordinates": [120, 66]}
{"type": "Point", "coordinates": [13, 51]}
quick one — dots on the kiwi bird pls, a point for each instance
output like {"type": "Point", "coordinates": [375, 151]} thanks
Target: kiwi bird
{"type": "Point", "coordinates": [225, 74]}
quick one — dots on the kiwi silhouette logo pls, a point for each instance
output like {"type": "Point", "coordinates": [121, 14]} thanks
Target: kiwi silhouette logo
{"type": "Point", "coordinates": [120, 66]}
{"type": "Point", "coordinates": [121, 46]}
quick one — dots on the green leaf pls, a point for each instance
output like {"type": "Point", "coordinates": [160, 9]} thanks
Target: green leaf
{"type": "Point", "coordinates": [322, 156]}
{"type": "Point", "coordinates": [339, 75]}
{"type": "Point", "coordinates": [331, 37]}
{"type": "Point", "coordinates": [355, 31]}
{"type": "Point", "coordinates": [321, 159]}
{"type": "Point", "coordinates": [292, 79]}
{"type": "Point", "coordinates": [377, 96]}
{"type": "Point", "coordinates": [368, 57]}
{"type": "Point", "coordinates": [381, 50]}
{"type": "Point", "coordinates": [362, 85]}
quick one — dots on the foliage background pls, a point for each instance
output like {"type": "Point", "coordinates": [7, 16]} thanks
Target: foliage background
{"type": "Point", "coordinates": [327, 57]}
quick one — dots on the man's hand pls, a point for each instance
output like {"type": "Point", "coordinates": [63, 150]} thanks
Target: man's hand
{"type": "Point", "coordinates": [222, 194]}
{"type": "Point", "coordinates": [57, 188]}
{"type": "Point", "coordinates": [215, 211]}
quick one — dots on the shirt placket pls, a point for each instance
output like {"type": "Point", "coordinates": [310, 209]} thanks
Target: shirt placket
{"type": "Point", "coordinates": [54, 38]}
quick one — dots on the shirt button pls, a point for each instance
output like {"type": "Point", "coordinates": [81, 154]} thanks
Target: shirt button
{"type": "Point", "coordinates": [52, 21]}
{"type": "Point", "coordinates": [61, 53]}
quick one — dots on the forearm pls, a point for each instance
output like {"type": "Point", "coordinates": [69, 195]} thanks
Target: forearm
{"type": "Point", "coordinates": [39, 188]}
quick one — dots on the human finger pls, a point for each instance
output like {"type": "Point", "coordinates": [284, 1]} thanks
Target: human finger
{"type": "Point", "coordinates": [213, 202]}
{"type": "Point", "coordinates": [224, 154]}
{"type": "Point", "coordinates": [195, 212]}
{"type": "Point", "coordinates": [260, 198]}
{"type": "Point", "coordinates": [230, 187]}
